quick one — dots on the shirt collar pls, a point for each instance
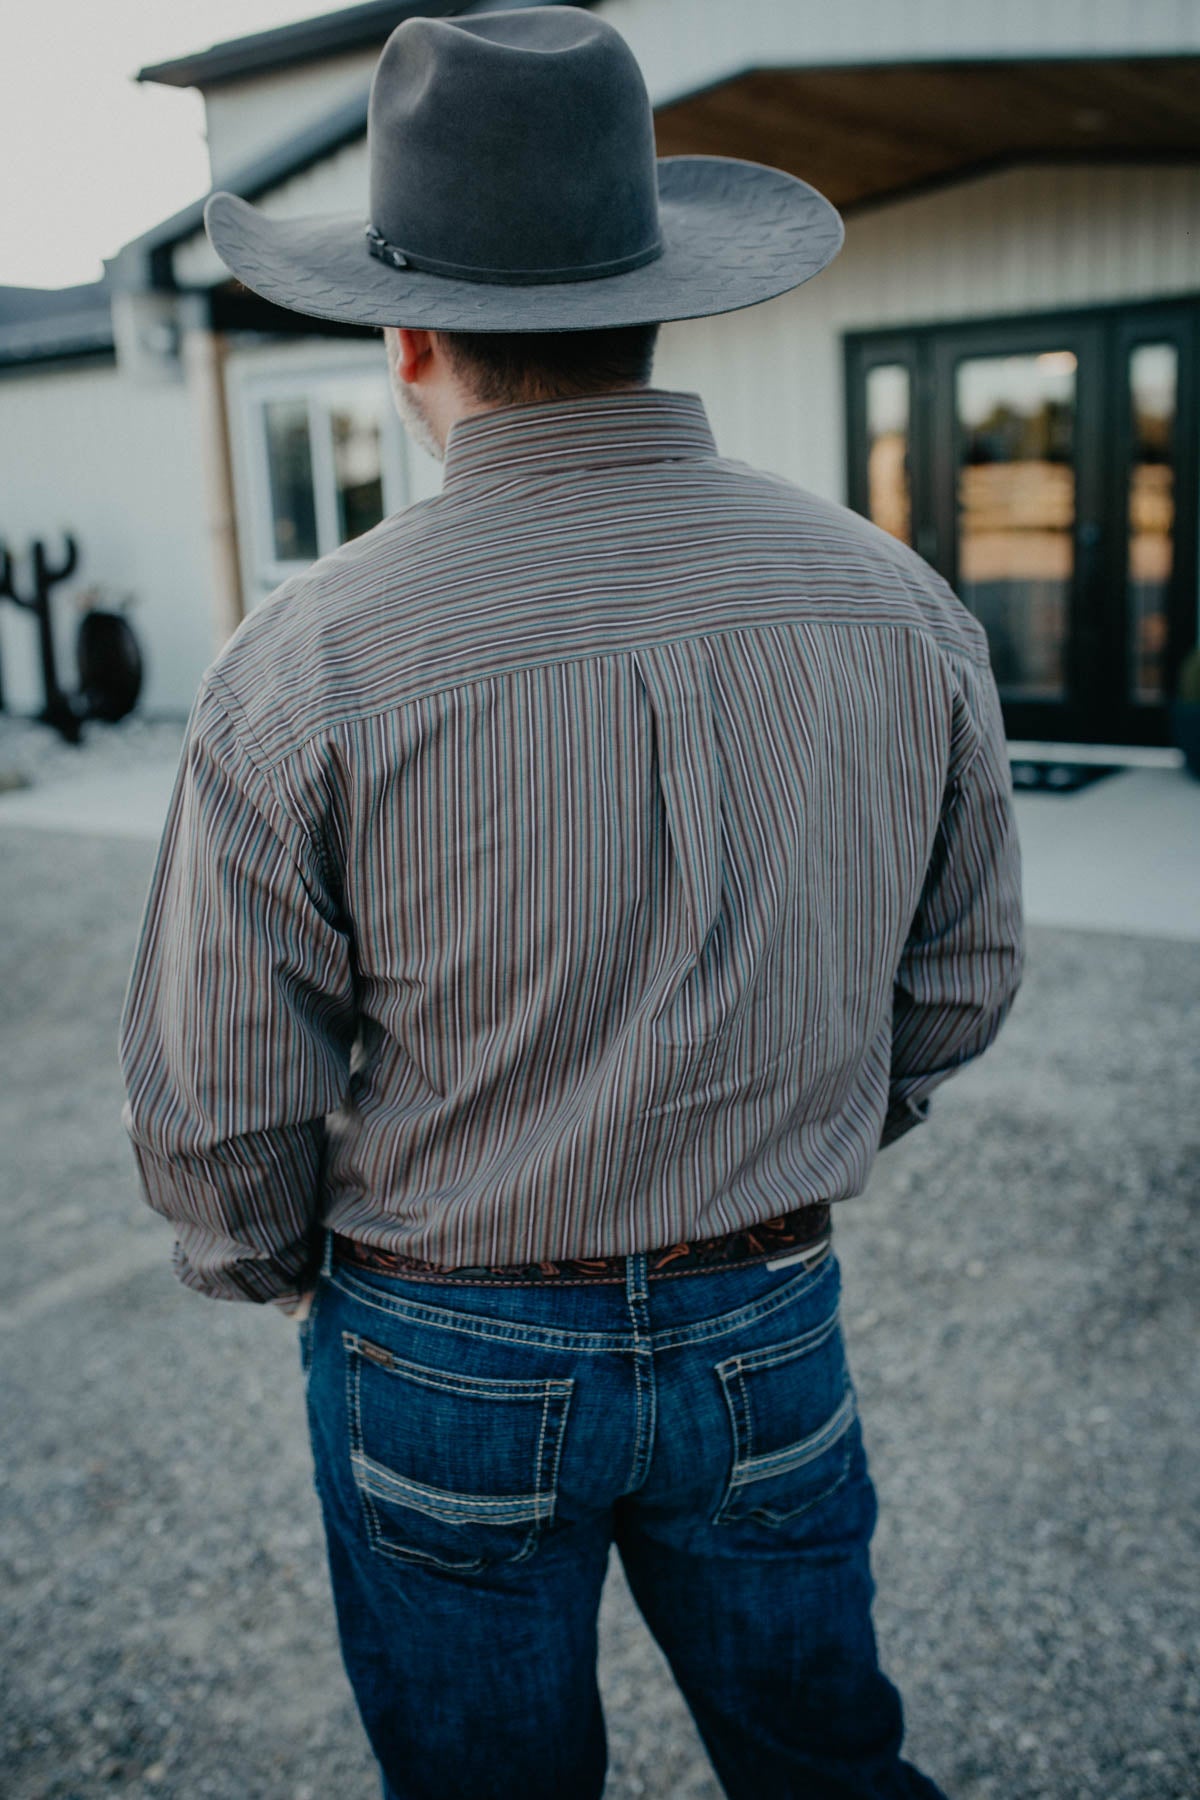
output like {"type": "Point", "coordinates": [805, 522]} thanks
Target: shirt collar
{"type": "Point", "coordinates": [634, 425]}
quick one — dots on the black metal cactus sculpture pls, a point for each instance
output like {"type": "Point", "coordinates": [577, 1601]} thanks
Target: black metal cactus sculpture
{"type": "Point", "coordinates": [57, 710]}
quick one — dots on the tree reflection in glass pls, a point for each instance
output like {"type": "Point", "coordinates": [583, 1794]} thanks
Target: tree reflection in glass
{"type": "Point", "coordinates": [1016, 512]}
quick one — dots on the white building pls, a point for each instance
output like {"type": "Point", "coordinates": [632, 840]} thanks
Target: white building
{"type": "Point", "coordinates": [1000, 366]}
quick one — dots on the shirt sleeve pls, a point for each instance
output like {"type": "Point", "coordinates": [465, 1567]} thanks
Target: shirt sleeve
{"type": "Point", "coordinates": [964, 956]}
{"type": "Point", "coordinates": [237, 1024]}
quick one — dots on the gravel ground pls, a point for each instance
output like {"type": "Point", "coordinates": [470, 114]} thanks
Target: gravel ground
{"type": "Point", "coordinates": [1020, 1283]}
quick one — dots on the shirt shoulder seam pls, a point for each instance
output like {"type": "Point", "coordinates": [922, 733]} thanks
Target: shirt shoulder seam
{"type": "Point", "coordinates": [261, 764]}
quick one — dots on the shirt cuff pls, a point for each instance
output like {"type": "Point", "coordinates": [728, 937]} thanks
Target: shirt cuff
{"type": "Point", "coordinates": [902, 1115]}
{"type": "Point", "coordinates": [296, 1306]}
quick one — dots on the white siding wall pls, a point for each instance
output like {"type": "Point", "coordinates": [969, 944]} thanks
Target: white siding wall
{"type": "Point", "coordinates": [250, 117]}
{"type": "Point", "coordinates": [118, 465]}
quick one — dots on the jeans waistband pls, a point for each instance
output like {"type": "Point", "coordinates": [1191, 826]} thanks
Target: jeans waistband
{"type": "Point", "coordinates": [805, 1233]}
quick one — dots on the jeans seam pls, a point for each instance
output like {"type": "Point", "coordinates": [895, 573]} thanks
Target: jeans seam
{"type": "Point", "coordinates": [601, 1343]}
{"type": "Point", "coordinates": [354, 1419]}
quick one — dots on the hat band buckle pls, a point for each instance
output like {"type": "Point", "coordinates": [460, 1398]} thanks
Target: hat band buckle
{"type": "Point", "coordinates": [396, 258]}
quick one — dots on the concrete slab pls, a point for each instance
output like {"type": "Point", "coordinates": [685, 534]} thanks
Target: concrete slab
{"type": "Point", "coordinates": [129, 803]}
{"type": "Point", "coordinates": [1121, 855]}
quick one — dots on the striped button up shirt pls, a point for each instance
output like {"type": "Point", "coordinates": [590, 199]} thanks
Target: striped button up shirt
{"type": "Point", "coordinates": [614, 850]}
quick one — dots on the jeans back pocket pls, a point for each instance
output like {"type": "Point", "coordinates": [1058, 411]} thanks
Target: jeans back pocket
{"type": "Point", "coordinates": [454, 1470]}
{"type": "Point", "coordinates": [791, 1407]}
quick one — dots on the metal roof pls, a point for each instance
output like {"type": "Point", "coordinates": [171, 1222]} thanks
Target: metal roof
{"type": "Point", "coordinates": [331, 34]}
{"type": "Point", "coordinates": [39, 324]}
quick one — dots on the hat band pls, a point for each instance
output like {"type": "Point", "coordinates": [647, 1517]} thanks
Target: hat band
{"type": "Point", "coordinates": [429, 265]}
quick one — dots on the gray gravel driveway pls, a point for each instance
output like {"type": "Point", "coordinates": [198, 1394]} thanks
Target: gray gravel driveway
{"type": "Point", "coordinates": [1020, 1306]}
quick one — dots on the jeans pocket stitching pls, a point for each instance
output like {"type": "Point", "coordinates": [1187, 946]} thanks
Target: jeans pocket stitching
{"type": "Point", "coordinates": [791, 1290]}
{"type": "Point", "coordinates": [836, 1430]}
{"type": "Point", "coordinates": [794, 1456]}
{"type": "Point", "coordinates": [732, 1372]}
{"type": "Point", "coordinates": [556, 1397]}
{"type": "Point", "coordinates": [771, 1355]}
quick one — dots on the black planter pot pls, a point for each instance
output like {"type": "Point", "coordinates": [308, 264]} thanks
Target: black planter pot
{"type": "Point", "coordinates": [1185, 729]}
{"type": "Point", "coordinates": [110, 665]}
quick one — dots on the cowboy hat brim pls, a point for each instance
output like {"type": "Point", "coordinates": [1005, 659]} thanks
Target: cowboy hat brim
{"type": "Point", "coordinates": [734, 233]}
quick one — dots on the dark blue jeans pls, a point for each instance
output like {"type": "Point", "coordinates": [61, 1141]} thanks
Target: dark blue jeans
{"type": "Point", "coordinates": [478, 1448]}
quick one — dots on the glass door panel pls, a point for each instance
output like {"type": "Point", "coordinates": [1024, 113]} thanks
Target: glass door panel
{"type": "Point", "coordinates": [889, 483]}
{"type": "Point", "coordinates": [1153, 375]}
{"type": "Point", "coordinates": [1015, 420]}
{"type": "Point", "coordinates": [290, 478]}
{"type": "Point", "coordinates": [355, 417]}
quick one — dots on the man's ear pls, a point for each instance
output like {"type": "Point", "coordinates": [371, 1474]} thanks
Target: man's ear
{"type": "Point", "coordinates": [409, 352]}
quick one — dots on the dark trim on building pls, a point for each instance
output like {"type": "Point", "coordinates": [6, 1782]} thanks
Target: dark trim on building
{"type": "Point", "coordinates": [1183, 303]}
{"type": "Point", "coordinates": [57, 362]}
{"type": "Point", "coordinates": [232, 308]}
{"type": "Point", "coordinates": [1004, 163]}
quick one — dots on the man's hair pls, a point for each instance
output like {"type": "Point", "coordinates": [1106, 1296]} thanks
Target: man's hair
{"type": "Point", "coordinates": [513, 368]}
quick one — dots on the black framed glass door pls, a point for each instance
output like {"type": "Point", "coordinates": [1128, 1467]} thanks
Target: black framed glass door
{"type": "Point", "coordinates": [1046, 467]}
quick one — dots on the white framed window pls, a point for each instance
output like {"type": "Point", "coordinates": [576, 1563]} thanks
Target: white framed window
{"type": "Point", "coordinates": [320, 455]}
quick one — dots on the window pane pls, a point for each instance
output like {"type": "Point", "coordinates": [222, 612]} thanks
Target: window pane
{"type": "Point", "coordinates": [889, 488]}
{"type": "Point", "coordinates": [1153, 378]}
{"type": "Point", "coordinates": [1016, 512]}
{"type": "Point", "coordinates": [357, 461]}
{"type": "Point", "coordinates": [289, 462]}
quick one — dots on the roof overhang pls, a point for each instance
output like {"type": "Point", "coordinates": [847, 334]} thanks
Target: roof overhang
{"type": "Point", "coordinates": [865, 134]}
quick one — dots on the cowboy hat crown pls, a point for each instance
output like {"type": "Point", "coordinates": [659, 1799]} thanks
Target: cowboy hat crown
{"type": "Point", "coordinates": [515, 147]}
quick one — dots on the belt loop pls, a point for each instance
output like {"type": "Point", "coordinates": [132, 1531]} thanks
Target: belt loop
{"type": "Point", "coordinates": [637, 1293]}
{"type": "Point", "coordinates": [327, 1257]}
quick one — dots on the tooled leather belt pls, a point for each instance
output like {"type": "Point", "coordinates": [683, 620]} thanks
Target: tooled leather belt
{"type": "Point", "coordinates": [806, 1231]}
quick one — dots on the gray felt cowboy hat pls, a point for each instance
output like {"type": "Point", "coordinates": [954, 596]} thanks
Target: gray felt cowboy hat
{"type": "Point", "coordinates": [514, 187]}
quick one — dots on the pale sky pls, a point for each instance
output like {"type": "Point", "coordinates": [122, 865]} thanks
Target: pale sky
{"type": "Point", "coordinates": [89, 158]}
